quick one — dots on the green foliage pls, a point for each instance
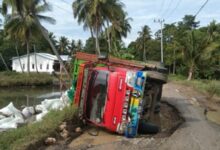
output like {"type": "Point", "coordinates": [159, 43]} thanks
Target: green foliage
{"type": "Point", "coordinates": [213, 88]}
{"type": "Point", "coordinates": [210, 87]}
{"type": "Point", "coordinates": [188, 50]}
{"type": "Point", "coordinates": [98, 14]}
{"type": "Point", "coordinates": [22, 137]}
{"type": "Point", "coordinates": [10, 79]}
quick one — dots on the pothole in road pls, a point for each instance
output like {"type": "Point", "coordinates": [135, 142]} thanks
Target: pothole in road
{"type": "Point", "coordinates": [170, 120]}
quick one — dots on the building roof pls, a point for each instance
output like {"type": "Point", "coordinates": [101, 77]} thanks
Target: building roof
{"type": "Point", "coordinates": [48, 56]}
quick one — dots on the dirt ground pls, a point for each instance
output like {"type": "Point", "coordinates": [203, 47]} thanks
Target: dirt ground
{"type": "Point", "coordinates": [196, 133]}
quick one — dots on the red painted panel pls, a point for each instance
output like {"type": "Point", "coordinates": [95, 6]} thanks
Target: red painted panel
{"type": "Point", "coordinates": [79, 85]}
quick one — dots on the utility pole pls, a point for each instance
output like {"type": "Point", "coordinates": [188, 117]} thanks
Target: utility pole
{"type": "Point", "coordinates": [161, 21]}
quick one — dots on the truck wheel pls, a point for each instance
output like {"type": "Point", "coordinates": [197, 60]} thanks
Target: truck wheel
{"type": "Point", "coordinates": [147, 128]}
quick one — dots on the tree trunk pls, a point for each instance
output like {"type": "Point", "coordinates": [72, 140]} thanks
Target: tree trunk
{"type": "Point", "coordinates": [3, 60]}
{"type": "Point", "coordinates": [97, 43]}
{"type": "Point", "coordinates": [91, 32]}
{"type": "Point", "coordinates": [35, 59]}
{"type": "Point", "coordinates": [144, 54]}
{"type": "Point", "coordinates": [191, 71]}
{"type": "Point", "coordinates": [174, 62]}
{"type": "Point", "coordinates": [109, 40]}
{"type": "Point", "coordinates": [92, 35]}
{"type": "Point", "coordinates": [115, 48]}
{"type": "Point", "coordinates": [19, 59]}
{"type": "Point", "coordinates": [46, 36]}
{"type": "Point", "coordinates": [28, 57]}
{"type": "Point", "coordinates": [97, 39]}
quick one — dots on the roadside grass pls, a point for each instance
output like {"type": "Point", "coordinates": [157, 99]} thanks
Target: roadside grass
{"type": "Point", "coordinates": [10, 79]}
{"type": "Point", "coordinates": [23, 137]}
{"type": "Point", "coordinates": [210, 87]}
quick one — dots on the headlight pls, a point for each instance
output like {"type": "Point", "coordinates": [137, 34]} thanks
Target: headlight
{"type": "Point", "coordinates": [125, 105]}
{"type": "Point", "coordinates": [128, 92]}
{"type": "Point", "coordinates": [127, 98]}
{"type": "Point", "coordinates": [124, 118]}
{"type": "Point", "coordinates": [125, 111]}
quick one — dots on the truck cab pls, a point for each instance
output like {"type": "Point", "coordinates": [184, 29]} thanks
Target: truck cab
{"type": "Point", "coordinates": [110, 96]}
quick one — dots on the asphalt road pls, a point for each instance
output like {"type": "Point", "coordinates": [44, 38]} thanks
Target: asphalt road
{"type": "Point", "coordinates": [196, 133]}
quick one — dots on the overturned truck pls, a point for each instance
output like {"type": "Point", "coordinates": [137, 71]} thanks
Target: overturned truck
{"type": "Point", "coordinates": [117, 94]}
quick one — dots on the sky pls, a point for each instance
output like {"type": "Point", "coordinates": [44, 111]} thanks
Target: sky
{"type": "Point", "coordinates": [143, 12]}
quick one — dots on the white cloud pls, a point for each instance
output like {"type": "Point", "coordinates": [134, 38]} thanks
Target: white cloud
{"type": "Point", "coordinates": [142, 11]}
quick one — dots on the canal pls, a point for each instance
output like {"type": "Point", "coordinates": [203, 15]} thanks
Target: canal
{"type": "Point", "coordinates": [27, 96]}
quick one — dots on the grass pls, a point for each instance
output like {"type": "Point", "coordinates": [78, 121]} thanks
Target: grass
{"type": "Point", "coordinates": [23, 137]}
{"type": "Point", "coordinates": [10, 79]}
{"type": "Point", "coordinates": [211, 87]}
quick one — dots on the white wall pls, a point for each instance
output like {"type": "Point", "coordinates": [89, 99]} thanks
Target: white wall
{"type": "Point", "coordinates": [41, 61]}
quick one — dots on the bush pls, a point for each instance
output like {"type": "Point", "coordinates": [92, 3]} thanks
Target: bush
{"type": "Point", "coordinates": [211, 87]}
{"type": "Point", "coordinates": [29, 134]}
{"type": "Point", "coordinates": [8, 79]}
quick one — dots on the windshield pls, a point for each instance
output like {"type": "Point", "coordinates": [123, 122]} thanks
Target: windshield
{"type": "Point", "coordinates": [96, 97]}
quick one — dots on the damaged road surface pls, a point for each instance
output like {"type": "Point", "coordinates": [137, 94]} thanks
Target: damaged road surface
{"type": "Point", "coordinates": [196, 133]}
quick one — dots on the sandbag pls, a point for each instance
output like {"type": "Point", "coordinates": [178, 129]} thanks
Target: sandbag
{"type": "Point", "coordinates": [11, 110]}
{"type": "Point", "coordinates": [8, 123]}
{"type": "Point", "coordinates": [28, 112]}
{"type": "Point", "coordinates": [40, 116]}
{"type": "Point", "coordinates": [11, 122]}
{"type": "Point", "coordinates": [2, 117]}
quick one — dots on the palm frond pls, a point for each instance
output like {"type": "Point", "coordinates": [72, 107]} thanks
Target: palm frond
{"type": "Point", "coordinates": [46, 19]}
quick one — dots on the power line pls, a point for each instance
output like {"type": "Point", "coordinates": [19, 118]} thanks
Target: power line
{"type": "Point", "coordinates": [63, 9]}
{"type": "Point", "coordinates": [66, 2]}
{"type": "Point", "coordinates": [167, 10]}
{"type": "Point", "coordinates": [200, 9]}
{"type": "Point", "coordinates": [177, 5]}
{"type": "Point", "coordinates": [161, 6]}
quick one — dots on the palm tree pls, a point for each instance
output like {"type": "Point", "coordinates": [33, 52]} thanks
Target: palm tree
{"type": "Point", "coordinates": [94, 14]}
{"type": "Point", "coordinates": [53, 38]}
{"type": "Point", "coordinates": [114, 14]}
{"type": "Point", "coordinates": [118, 30]}
{"type": "Point", "coordinates": [14, 5]}
{"type": "Point", "coordinates": [198, 48]}
{"type": "Point", "coordinates": [72, 47]}
{"type": "Point", "coordinates": [144, 36]}
{"type": "Point", "coordinates": [17, 5]}
{"type": "Point", "coordinates": [79, 45]}
{"type": "Point", "coordinates": [63, 44]}
{"type": "Point", "coordinates": [23, 26]}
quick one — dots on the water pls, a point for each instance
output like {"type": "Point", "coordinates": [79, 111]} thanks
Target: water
{"type": "Point", "coordinates": [27, 96]}
{"type": "Point", "coordinates": [214, 116]}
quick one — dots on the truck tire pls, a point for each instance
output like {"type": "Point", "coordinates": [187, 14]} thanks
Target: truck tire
{"type": "Point", "coordinates": [147, 128]}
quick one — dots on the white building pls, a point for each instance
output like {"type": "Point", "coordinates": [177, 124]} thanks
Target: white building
{"type": "Point", "coordinates": [41, 62]}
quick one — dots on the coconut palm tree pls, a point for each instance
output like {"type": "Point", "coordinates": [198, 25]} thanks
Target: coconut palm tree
{"type": "Point", "coordinates": [80, 11]}
{"type": "Point", "coordinates": [118, 30]}
{"type": "Point", "coordinates": [144, 36]}
{"type": "Point", "coordinates": [94, 14]}
{"type": "Point", "coordinates": [63, 44]}
{"type": "Point", "coordinates": [14, 5]}
{"type": "Point", "coordinates": [53, 38]}
{"type": "Point", "coordinates": [72, 47]}
{"type": "Point", "coordinates": [23, 25]}
{"type": "Point", "coordinates": [17, 9]}
{"type": "Point", "coordinates": [79, 45]}
{"type": "Point", "coordinates": [114, 14]}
